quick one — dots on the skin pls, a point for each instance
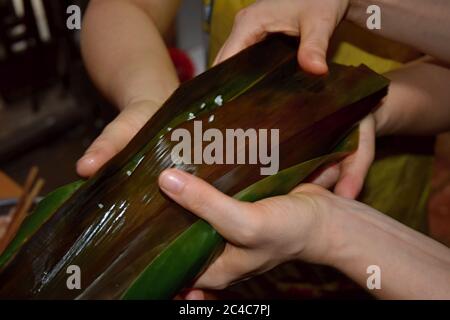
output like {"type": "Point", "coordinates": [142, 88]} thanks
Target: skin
{"type": "Point", "coordinates": [126, 33]}
{"type": "Point", "coordinates": [311, 223]}
{"type": "Point", "coordinates": [316, 20]}
{"type": "Point", "coordinates": [422, 25]}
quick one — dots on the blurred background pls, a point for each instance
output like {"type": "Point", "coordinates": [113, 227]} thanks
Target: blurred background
{"type": "Point", "coordinates": [49, 110]}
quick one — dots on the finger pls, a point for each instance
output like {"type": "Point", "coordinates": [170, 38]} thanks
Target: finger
{"type": "Point", "coordinates": [355, 167]}
{"type": "Point", "coordinates": [327, 177]}
{"type": "Point", "coordinates": [315, 35]}
{"type": "Point", "coordinates": [231, 218]}
{"type": "Point", "coordinates": [248, 29]}
{"type": "Point", "coordinates": [114, 138]}
{"type": "Point", "coordinates": [231, 266]}
{"type": "Point", "coordinates": [195, 295]}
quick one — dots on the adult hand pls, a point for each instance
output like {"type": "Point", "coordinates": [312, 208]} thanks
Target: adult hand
{"type": "Point", "coordinates": [313, 20]}
{"type": "Point", "coordinates": [260, 235]}
{"type": "Point", "coordinates": [314, 225]}
{"type": "Point", "coordinates": [348, 176]}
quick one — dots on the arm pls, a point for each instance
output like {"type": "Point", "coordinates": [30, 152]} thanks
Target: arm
{"type": "Point", "coordinates": [423, 25]}
{"type": "Point", "coordinates": [417, 102]}
{"type": "Point", "coordinates": [314, 225]}
{"type": "Point", "coordinates": [412, 265]}
{"type": "Point", "coordinates": [127, 59]}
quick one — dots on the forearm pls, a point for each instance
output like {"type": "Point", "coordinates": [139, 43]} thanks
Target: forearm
{"type": "Point", "coordinates": [421, 24]}
{"type": "Point", "coordinates": [417, 101]}
{"type": "Point", "coordinates": [125, 53]}
{"type": "Point", "coordinates": [412, 265]}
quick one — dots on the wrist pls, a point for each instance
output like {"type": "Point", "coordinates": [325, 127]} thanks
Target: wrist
{"type": "Point", "coordinates": [342, 235]}
{"type": "Point", "coordinates": [144, 104]}
{"type": "Point", "coordinates": [328, 236]}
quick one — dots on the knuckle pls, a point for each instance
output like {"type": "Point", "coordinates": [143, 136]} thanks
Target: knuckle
{"type": "Point", "coordinates": [122, 126]}
{"type": "Point", "coordinates": [315, 44]}
{"type": "Point", "coordinates": [327, 18]}
{"type": "Point", "coordinates": [316, 197]}
{"type": "Point", "coordinates": [251, 230]}
{"type": "Point", "coordinates": [194, 200]}
{"type": "Point", "coordinates": [309, 188]}
{"type": "Point", "coordinates": [133, 120]}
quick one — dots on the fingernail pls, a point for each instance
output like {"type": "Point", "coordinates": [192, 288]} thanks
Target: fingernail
{"type": "Point", "coordinates": [88, 158]}
{"type": "Point", "coordinates": [316, 57]}
{"type": "Point", "coordinates": [172, 181]}
{"type": "Point", "coordinates": [195, 295]}
{"type": "Point", "coordinates": [318, 60]}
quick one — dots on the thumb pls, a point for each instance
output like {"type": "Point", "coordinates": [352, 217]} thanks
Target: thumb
{"type": "Point", "coordinates": [315, 35]}
{"type": "Point", "coordinates": [224, 213]}
{"type": "Point", "coordinates": [115, 137]}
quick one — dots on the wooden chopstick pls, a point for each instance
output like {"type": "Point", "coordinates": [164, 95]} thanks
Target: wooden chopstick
{"type": "Point", "coordinates": [31, 190]}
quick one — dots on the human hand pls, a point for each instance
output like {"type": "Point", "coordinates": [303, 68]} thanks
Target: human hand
{"type": "Point", "coordinates": [260, 235]}
{"type": "Point", "coordinates": [348, 176]}
{"type": "Point", "coordinates": [116, 136]}
{"type": "Point", "coordinates": [313, 20]}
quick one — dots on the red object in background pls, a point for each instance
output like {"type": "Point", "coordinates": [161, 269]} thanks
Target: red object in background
{"type": "Point", "coordinates": [183, 64]}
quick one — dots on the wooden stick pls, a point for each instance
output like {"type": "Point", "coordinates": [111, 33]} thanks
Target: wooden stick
{"type": "Point", "coordinates": [22, 208]}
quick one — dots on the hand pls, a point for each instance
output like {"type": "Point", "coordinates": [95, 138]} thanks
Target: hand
{"type": "Point", "coordinates": [317, 226]}
{"type": "Point", "coordinates": [116, 136]}
{"type": "Point", "coordinates": [313, 20]}
{"type": "Point", "coordinates": [260, 235]}
{"type": "Point", "coordinates": [348, 175]}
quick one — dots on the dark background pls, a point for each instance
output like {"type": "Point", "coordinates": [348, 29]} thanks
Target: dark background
{"type": "Point", "coordinates": [49, 110]}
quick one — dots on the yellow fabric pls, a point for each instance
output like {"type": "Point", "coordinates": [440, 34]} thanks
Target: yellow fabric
{"type": "Point", "coordinates": [345, 51]}
{"type": "Point", "coordinates": [222, 20]}
{"type": "Point", "coordinates": [349, 54]}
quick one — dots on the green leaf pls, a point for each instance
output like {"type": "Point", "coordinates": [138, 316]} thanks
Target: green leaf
{"type": "Point", "coordinates": [40, 215]}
